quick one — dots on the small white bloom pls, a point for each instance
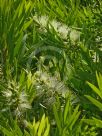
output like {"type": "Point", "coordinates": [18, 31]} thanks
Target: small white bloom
{"type": "Point", "coordinates": [38, 87]}
{"type": "Point", "coordinates": [7, 93]}
{"type": "Point", "coordinates": [23, 97]}
{"type": "Point", "coordinates": [38, 73]}
{"type": "Point", "coordinates": [63, 31]}
{"type": "Point", "coordinates": [44, 77]}
{"type": "Point", "coordinates": [43, 20]}
{"type": "Point", "coordinates": [24, 106]}
{"type": "Point", "coordinates": [74, 36]}
{"type": "Point", "coordinates": [55, 25]}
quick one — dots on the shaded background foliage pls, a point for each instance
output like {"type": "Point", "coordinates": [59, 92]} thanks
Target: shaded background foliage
{"type": "Point", "coordinates": [43, 41]}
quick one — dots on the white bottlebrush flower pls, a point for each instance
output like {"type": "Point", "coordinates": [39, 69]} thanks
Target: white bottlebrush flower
{"type": "Point", "coordinates": [61, 28]}
{"type": "Point", "coordinates": [25, 106]}
{"type": "Point", "coordinates": [44, 77]}
{"type": "Point", "coordinates": [63, 31]}
{"type": "Point", "coordinates": [7, 93]}
{"type": "Point", "coordinates": [42, 20]}
{"type": "Point", "coordinates": [17, 112]}
{"type": "Point", "coordinates": [52, 83]}
{"type": "Point", "coordinates": [74, 36]}
{"type": "Point", "coordinates": [23, 97]}
{"type": "Point", "coordinates": [37, 74]}
{"type": "Point", "coordinates": [95, 57]}
{"type": "Point", "coordinates": [55, 25]}
{"type": "Point", "coordinates": [23, 101]}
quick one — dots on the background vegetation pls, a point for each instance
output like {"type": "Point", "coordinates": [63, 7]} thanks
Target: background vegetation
{"type": "Point", "coordinates": [50, 68]}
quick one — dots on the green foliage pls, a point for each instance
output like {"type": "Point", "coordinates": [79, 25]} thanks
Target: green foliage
{"type": "Point", "coordinates": [40, 128]}
{"type": "Point", "coordinates": [14, 20]}
{"type": "Point", "coordinates": [48, 49]}
{"type": "Point", "coordinates": [67, 119]}
{"type": "Point", "coordinates": [96, 101]}
{"type": "Point", "coordinates": [66, 123]}
{"type": "Point", "coordinates": [98, 91]}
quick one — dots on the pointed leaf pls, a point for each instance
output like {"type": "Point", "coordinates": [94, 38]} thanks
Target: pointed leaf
{"type": "Point", "coordinates": [95, 102]}
{"type": "Point", "coordinates": [95, 89]}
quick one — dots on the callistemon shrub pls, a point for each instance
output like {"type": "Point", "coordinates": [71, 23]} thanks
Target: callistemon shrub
{"type": "Point", "coordinates": [15, 99]}
{"type": "Point", "coordinates": [48, 86]}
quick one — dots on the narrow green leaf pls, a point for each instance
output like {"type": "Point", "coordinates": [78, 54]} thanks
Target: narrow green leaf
{"type": "Point", "coordinates": [21, 8]}
{"type": "Point", "coordinates": [95, 89]}
{"type": "Point", "coordinates": [26, 133]}
{"type": "Point", "coordinates": [57, 119]}
{"type": "Point", "coordinates": [41, 126]}
{"type": "Point", "coordinates": [75, 119]}
{"type": "Point", "coordinates": [27, 24]}
{"type": "Point", "coordinates": [36, 126]}
{"type": "Point", "coordinates": [28, 5]}
{"type": "Point", "coordinates": [99, 81]}
{"type": "Point", "coordinates": [46, 133]}
{"type": "Point", "coordinates": [98, 122]}
{"type": "Point", "coordinates": [93, 122]}
{"type": "Point", "coordinates": [7, 132]}
{"type": "Point", "coordinates": [18, 45]}
{"type": "Point", "coordinates": [94, 101]}
{"type": "Point", "coordinates": [74, 115]}
{"type": "Point", "coordinates": [66, 109]}
{"type": "Point", "coordinates": [89, 121]}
